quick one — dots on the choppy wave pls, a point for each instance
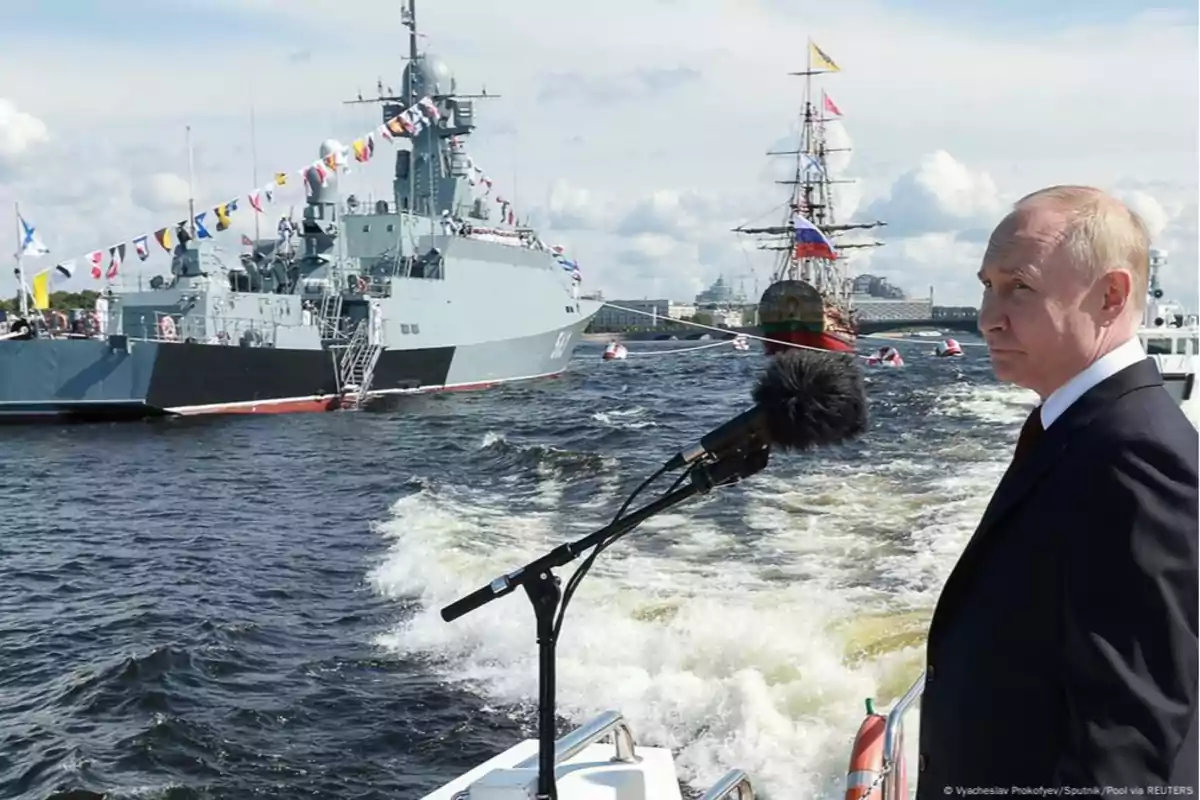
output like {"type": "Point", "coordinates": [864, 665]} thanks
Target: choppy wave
{"type": "Point", "coordinates": [743, 630]}
{"type": "Point", "coordinates": [249, 607]}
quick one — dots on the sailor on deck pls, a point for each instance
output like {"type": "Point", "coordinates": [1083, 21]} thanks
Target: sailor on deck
{"type": "Point", "coordinates": [285, 230]}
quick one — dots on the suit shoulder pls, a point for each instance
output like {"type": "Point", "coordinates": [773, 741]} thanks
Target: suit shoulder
{"type": "Point", "coordinates": [1146, 424]}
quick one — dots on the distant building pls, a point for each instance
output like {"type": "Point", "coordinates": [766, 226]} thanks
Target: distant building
{"type": "Point", "coordinates": [874, 286]}
{"type": "Point", "coordinates": [719, 294]}
{"type": "Point", "coordinates": [875, 299]}
{"type": "Point", "coordinates": [720, 305]}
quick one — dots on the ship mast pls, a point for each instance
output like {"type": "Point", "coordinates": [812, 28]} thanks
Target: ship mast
{"type": "Point", "coordinates": [409, 17]}
{"type": "Point", "coordinates": [191, 184]}
{"type": "Point", "coordinates": [812, 197]}
{"type": "Point", "coordinates": [254, 160]}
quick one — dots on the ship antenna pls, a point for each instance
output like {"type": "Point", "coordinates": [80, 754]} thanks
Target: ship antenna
{"type": "Point", "coordinates": [412, 37]}
{"type": "Point", "coordinates": [253, 158]}
{"type": "Point", "coordinates": [191, 186]}
{"type": "Point", "coordinates": [20, 265]}
{"type": "Point", "coordinates": [410, 15]}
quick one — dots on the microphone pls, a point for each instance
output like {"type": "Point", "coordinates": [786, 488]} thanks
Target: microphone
{"type": "Point", "coordinates": [805, 398]}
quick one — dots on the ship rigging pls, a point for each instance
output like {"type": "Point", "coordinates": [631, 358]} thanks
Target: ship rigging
{"type": "Point", "coordinates": [809, 300]}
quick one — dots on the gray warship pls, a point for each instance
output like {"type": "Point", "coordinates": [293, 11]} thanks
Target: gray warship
{"type": "Point", "coordinates": [397, 297]}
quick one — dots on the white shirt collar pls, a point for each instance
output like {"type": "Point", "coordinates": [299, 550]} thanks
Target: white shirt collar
{"type": "Point", "coordinates": [1101, 369]}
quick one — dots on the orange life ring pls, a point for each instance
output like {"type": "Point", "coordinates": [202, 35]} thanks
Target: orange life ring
{"type": "Point", "coordinates": [363, 284]}
{"type": "Point", "coordinates": [166, 328]}
{"type": "Point", "coordinates": [866, 762]}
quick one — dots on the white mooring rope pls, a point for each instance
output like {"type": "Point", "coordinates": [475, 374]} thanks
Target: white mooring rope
{"type": "Point", "coordinates": [681, 349]}
{"type": "Point", "coordinates": [747, 335]}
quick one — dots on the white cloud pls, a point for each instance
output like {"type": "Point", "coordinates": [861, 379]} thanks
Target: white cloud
{"type": "Point", "coordinates": [570, 208]}
{"type": "Point", "coordinates": [685, 215]}
{"type": "Point", "coordinates": [634, 132]}
{"type": "Point", "coordinates": [161, 191]}
{"type": "Point", "coordinates": [940, 194]}
{"type": "Point", "coordinates": [940, 259]}
{"type": "Point", "coordinates": [20, 133]}
{"type": "Point", "coordinates": [1148, 208]}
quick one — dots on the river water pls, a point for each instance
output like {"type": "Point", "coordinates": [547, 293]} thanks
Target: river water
{"type": "Point", "coordinates": [248, 607]}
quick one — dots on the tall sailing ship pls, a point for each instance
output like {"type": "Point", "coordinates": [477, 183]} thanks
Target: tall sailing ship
{"type": "Point", "coordinates": [422, 292]}
{"type": "Point", "coordinates": [808, 302]}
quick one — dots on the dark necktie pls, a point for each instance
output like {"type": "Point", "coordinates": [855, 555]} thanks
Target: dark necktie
{"type": "Point", "coordinates": [1031, 434]}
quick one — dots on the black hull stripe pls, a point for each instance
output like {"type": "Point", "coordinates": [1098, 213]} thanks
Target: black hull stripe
{"type": "Point", "coordinates": [206, 375]}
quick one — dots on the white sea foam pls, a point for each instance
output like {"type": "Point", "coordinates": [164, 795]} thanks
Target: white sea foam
{"type": "Point", "coordinates": [748, 642]}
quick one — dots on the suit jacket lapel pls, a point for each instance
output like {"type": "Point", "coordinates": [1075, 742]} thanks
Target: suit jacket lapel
{"type": "Point", "coordinates": [1022, 476]}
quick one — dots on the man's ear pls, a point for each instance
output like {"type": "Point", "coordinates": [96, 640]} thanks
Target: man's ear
{"type": "Point", "coordinates": [1117, 288]}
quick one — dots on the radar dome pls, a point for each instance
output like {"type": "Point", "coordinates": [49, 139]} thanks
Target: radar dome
{"type": "Point", "coordinates": [432, 76]}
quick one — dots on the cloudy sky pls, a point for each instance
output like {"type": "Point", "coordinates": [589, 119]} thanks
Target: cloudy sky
{"type": "Point", "coordinates": [634, 132]}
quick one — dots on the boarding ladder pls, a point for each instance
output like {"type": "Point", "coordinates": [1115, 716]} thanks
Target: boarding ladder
{"type": "Point", "coordinates": [356, 368]}
{"type": "Point", "coordinates": [330, 314]}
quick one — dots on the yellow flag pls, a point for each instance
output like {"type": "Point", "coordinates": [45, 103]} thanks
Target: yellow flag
{"type": "Point", "coordinates": [820, 59]}
{"type": "Point", "coordinates": [222, 212]}
{"type": "Point", "coordinates": [41, 290]}
{"type": "Point", "coordinates": [280, 178]}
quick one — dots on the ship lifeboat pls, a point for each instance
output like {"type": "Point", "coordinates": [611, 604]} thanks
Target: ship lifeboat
{"type": "Point", "coordinates": [886, 357]}
{"type": "Point", "coordinates": [948, 348]}
{"type": "Point", "coordinates": [741, 343]}
{"type": "Point", "coordinates": [615, 352]}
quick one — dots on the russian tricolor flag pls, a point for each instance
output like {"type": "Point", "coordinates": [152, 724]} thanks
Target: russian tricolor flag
{"type": "Point", "coordinates": [810, 242]}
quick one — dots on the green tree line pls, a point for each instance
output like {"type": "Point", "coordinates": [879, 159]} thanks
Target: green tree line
{"type": "Point", "coordinates": [60, 300]}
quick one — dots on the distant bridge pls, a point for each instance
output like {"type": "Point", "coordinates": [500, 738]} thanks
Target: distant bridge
{"type": "Point", "coordinates": [877, 317]}
{"type": "Point", "coordinates": [956, 324]}
{"type": "Point", "coordinates": [874, 316]}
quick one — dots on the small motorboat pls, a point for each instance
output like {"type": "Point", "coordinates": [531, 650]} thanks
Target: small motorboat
{"type": "Point", "coordinates": [885, 357]}
{"type": "Point", "coordinates": [948, 348]}
{"type": "Point", "coordinates": [615, 351]}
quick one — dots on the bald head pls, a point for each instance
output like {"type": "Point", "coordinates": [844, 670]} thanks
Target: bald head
{"type": "Point", "coordinates": [1064, 281]}
{"type": "Point", "coordinates": [1096, 232]}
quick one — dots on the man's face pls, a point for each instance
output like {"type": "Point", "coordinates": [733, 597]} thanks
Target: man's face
{"type": "Point", "coordinates": [1044, 318]}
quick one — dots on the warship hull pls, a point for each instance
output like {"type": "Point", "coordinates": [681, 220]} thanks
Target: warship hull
{"type": "Point", "coordinates": [118, 378]}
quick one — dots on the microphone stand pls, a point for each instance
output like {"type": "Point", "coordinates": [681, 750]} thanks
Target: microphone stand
{"type": "Point", "coordinates": [542, 586]}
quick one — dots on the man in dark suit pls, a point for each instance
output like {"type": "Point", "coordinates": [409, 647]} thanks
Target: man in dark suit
{"type": "Point", "coordinates": [1063, 650]}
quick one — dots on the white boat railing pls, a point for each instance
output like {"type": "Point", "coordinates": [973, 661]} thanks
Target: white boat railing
{"type": "Point", "coordinates": [588, 734]}
{"type": "Point", "coordinates": [893, 740]}
{"type": "Point", "coordinates": [734, 784]}
{"type": "Point", "coordinates": [578, 740]}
